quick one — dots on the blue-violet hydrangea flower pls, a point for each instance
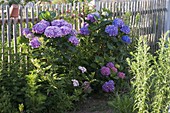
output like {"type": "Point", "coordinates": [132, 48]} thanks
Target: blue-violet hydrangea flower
{"type": "Point", "coordinates": [112, 30]}
{"type": "Point", "coordinates": [126, 39]}
{"type": "Point", "coordinates": [92, 17]}
{"type": "Point", "coordinates": [53, 32]}
{"type": "Point", "coordinates": [61, 23]}
{"type": "Point", "coordinates": [65, 30]}
{"type": "Point", "coordinates": [125, 29]}
{"type": "Point", "coordinates": [105, 71]}
{"type": "Point", "coordinates": [84, 30]}
{"type": "Point", "coordinates": [108, 86]}
{"type": "Point", "coordinates": [118, 22]}
{"type": "Point", "coordinates": [26, 31]}
{"type": "Point", "coordinates": [35, 42]}
{"type": "Point", "coordinates": [75, 41]}
{"type": "Point", "coordinates": [39, 28]}
{"type": "Point", "coordinates": [73, 32]}
{"type": "Point", "coordinates": [45, 22]}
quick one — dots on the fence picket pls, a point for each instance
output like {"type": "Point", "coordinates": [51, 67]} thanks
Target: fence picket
{"type": "Point", "coordinates": [8, 36]}
{"type": "Point", "coordinates": [26, 16]}
{"type": "Point", "coordinates": [2, 36]}
{"type": "Point", "coordinates": [15, 35]}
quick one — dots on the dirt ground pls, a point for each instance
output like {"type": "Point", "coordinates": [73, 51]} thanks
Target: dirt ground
{"type": "Point", "coordinates": [93, 105]}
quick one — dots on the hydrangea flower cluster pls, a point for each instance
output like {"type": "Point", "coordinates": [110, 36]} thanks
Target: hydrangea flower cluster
{"type": "Point", "coordinates": [92, 17]}
{"type": "Point", "coordinates": [108, 86]}
{"type": "Point", "coordinates": [119, 25]}
{"type": "Point", "coordinates": [35, 42]}
{"type": "Point", "coordinates": [54, 29]}
{"type": "Point", "coordinates": [84, 30]}
{"type": "Point", "coordinates": [107, 71]}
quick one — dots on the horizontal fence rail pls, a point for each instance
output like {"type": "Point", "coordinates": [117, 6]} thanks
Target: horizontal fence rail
{"type": "Point", "coordinates": [152, 22]}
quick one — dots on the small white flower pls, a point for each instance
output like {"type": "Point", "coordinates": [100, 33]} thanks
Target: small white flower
{"type": "Point", "coordinates": [83, 69]}
{"type": "Point", "coordinates": [75, 82]}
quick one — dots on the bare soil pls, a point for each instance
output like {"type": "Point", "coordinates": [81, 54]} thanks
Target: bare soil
{"type": "Point", "coordinates": [93, 105]}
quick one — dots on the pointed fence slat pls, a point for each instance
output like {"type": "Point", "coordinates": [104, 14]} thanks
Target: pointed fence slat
{"type": "Point", "coordinates": [8, 36]}
{"type": "Point", "coordinates": [2, 36]}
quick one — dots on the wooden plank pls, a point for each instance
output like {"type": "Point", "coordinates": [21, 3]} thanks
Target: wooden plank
{"type": "Point", "coordinates": [15, 37]}
{"type": "Point", "coordinates": [32, 14]}
{"type": "Point", "coordinates": [74, 9]}
{"type": "Point", "coordinates": [26, 17]}
{"type": "Point", "coordinates": [8, 36]}
{"type": "Point", "coordinates": [2, 36]}
{"type": "Point", "coordinates": [79, 20]}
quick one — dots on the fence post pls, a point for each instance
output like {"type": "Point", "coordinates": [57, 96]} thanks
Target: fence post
{"type": "Point", "coordinates": [167, 16]}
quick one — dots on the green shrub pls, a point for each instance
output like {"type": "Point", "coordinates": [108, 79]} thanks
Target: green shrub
{"type": "Point", "coordinates": [122, 104]}
{"type": "Point", "coordinates": [151, 77]}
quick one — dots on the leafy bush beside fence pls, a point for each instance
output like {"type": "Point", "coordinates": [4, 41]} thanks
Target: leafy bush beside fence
{"type": "Point", "coordinates": [151, 77]}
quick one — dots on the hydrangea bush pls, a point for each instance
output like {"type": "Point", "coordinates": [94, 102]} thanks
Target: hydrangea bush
{"type": "Point", "coordinates": [104, 47]}
{"type": "Point", "coordinates": [68, 64]}
{"type": "Point", "coordinates": [52, 49]}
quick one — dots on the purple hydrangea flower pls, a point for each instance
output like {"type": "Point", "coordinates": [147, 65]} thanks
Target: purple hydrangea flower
{"type": "Point", "coordinates": [84, 30]}
{"type": "Point", "coordinates": [118, 22]}
{"type": "Point", "coordinates": [35, 42]}
{"type": "Point", "coordinates": [61, 23]}
{"type": "Point", "coordinates": [75, 41]}
{"type": "Point", "coordinates": [110, 65]}
{"type": "Point", "coordinates": [53, 32]}
{"type": "Point", "coordinates": [125, 29]}
{"type": "Point", "coordinates": [30, 35]}
{"type": "Point", "coordinates": [58, 23]}
{"type": "Point", "coordinates": [126, 39]}
{"type": "Point", "coordinates": [26, 31]}
{"type": "Point", "coordinates": [39, 28]}
{"type": "Point", "coordinates": [105, 71]}
{"type": "Point", "coordinates": [45, 22]}
{"type": "Point", "coordinates": [91, 17]}
{"type": "Point", "coordinates": [73, 32]}
{"type": "Point", "coordinates": [65, 30]}
{"type": "Point", "coordinates": [108, 86]}
{"type": "Point", "coordinates": [121, 75]}
{"type": "Point", "coordinates": [112, 30]}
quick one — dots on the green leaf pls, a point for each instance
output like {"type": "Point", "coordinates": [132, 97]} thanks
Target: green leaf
{"type": "Point", "coordinates": [110, 46]}
{"type": "Point", "coordinates": [99, 60]}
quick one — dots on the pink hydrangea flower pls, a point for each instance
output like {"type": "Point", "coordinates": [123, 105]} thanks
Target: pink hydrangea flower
{"type": "Point", "coordinates": [114, 69]}
{"type": "Point", "coordinates": [121, 75]}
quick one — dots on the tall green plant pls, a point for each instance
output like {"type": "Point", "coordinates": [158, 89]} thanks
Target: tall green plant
{"type": "Point", "coordinates": [141, 67]}
{"type": "Point", "coordinates": [151, 77]}
{"type": "Point", "coordinates": [161, 81]}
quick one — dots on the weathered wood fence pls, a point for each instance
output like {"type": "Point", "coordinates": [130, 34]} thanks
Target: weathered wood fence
{"type": "Point", "coordinates": [153, 21]}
